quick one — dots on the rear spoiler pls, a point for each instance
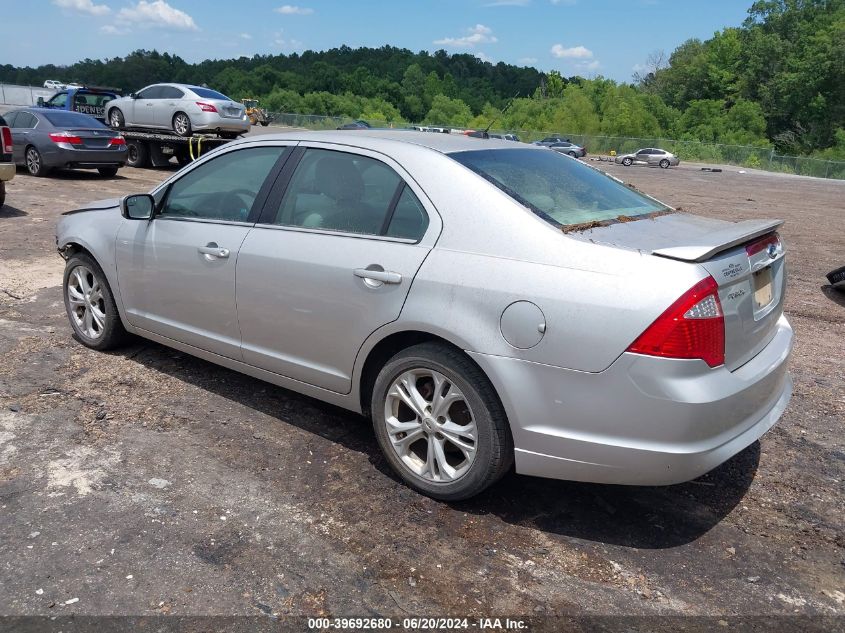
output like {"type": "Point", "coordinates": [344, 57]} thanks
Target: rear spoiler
{"type": "Point", "coordinates": [705, 247]}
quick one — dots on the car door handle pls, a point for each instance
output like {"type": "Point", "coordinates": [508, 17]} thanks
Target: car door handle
{"type": "Point", "coordinates": [214, 251]}
{"type": "Point", "coordinates": [384, 276]}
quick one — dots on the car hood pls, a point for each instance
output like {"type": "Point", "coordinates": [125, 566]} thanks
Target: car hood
{"type": "Point", "coordinates": [97, 205]}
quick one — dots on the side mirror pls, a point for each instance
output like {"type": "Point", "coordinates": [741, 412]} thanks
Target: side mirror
{"type": "Point", "coordinates": [138, 207]}
{"type": "Point", "coordinates": [40, 102]}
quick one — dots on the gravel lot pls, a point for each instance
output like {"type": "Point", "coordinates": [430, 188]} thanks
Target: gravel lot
{"type": "Point", "coordinates": [146, 481]}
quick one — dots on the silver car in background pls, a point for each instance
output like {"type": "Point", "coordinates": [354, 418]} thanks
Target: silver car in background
{"type": "Point", "coordinates": [488, 304]}
{"type": "Point", "coordinates": [652, 156]}
{"type": "Point", "coordinates": [182, 108]}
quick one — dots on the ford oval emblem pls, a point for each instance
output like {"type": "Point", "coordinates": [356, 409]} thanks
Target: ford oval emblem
{"type": "Point", "coordinates": [772, 251]}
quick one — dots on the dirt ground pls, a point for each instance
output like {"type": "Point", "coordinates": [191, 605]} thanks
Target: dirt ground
{"type": "Point", "coordinates": [146, 481]}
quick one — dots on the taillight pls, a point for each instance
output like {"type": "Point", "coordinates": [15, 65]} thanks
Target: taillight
{"type": "Point", "coordinates": [65, 137]}
{"type": "Point", "coordinates": [117, 140]}
{"type": "Point", "coordinates": [763, 244]}
{"type": "Point", "coordinates": [692, 327]}
{"type": "Point", "coordinates": [6, 137]}
{"type": "Point", "coordinates": [206, 107]}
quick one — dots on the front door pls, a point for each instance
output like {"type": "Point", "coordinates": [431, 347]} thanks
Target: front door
{"type": "Point", "coordinates": [176, 273]}
{"type": "Point", "coordinates": [329, 263]}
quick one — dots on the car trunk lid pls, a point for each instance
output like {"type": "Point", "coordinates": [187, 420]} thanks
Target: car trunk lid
{"type": "Point", "coordinates": [91, 138]}
{"type": "Point", "coordinates": [745, 258]}
{"type": "Point", "coordinates": [229, 109]}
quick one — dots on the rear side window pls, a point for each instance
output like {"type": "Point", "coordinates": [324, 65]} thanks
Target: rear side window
{"type": "Point", "coordinates": [25, 120]}
{"type": "Point", "coordinates": [72, 119]}
{"type": "Point", "coordinates": [561, 191]}
{"type": "Point", "coordinates": [409, 218]}
{"type": "Point", "coordinates": [169, 92]}
{"type": "Point", "coordinates": [207, 93]}
{"type": "Point", "coordinates": [224, 188]}
{"type": "Point", "coordinates": [338, 191]}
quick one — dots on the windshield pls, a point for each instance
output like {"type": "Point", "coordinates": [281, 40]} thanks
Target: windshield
{"type": "Point", "coordinates": [208, 93]}
{"type": "Point", "coordinates": [71, 119]}
{"type": "Point", "coordinates": [557, 188]}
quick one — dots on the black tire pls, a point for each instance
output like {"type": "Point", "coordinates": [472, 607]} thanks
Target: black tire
{"type": "Point", "coordinates": [2, 193]}
{"type": "Point", "coordinates": [494, 444]}
{"type": "Point", "coordinates": [137, 154]}
{"type": "Point", "coordinates": [112, 334]}
{"type": "Point", "coordinates": [229, 135]}
{"type": "Point", "coordinates": [627, 162]}
{"type": "Point", "coordinates": [664, 163]}
{"type": "Point", "coordinates": [265, 123]}
{"type": "Point", "coordinates": [34, 162]}
{"type": "Point", "coordinates": [107, 172]}
{"type": "Point", "coordinates": [182, 121]}
{"type": "Point", "coordinates": [573, 154]}
{"type": "Point", "coordinates": [116, 119]}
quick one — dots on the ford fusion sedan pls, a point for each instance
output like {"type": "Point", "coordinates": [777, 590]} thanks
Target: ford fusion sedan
{"type": "Point", "coordinates": [490, 306]}
{"type": "Point", "coordinates": [182, 108]}
{"type": "Point", "coordinates": [651, 156]}
{"type": "Point", "coordinates": [43, 140]}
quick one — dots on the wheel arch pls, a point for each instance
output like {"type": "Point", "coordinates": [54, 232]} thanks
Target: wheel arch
{"type": "Point", "coordinates": [390, 345]}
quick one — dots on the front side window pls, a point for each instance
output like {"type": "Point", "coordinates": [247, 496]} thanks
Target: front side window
{"type": "Point", "coordinates": [224, 188]}
{"type": "Point", "coordinates": [561, 191]}
{"type": "Point", "coordinates": [338, 191]}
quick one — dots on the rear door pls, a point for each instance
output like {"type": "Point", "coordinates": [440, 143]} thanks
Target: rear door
{"type": "Point", "coordinates": [167, 105]}
{"type": "Point", "coordinates": [177, 272]}
{"type": "Point", "coordinates": [331, 260]}
{"type": "Point", "coordinates": [22, 126]}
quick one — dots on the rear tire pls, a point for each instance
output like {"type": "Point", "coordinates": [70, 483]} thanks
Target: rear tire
{"type": "Point", "coordinates": [116, 119]}
{"type": "Point", "coordinates": [2, 193]}
{"type": "Point", "coordinates": [627, 162]}
{"type": "Point", "coordinates": [182, 124]}
{"type": "Point", "coordinates": [265, 123]}
{"type": "Point", "coordinates": [107, 172]}
{"type": "Point", "coordinates": [435, 463]}
{"type": "Point", "coordinates": [34, 162]}
{"type": "Point", "coordinates": [664, 164]}
{"type": "Point", "coordinates": [137, 154]}
{"type": "Point", "coordinates": [90, 304]}
{"type": "Point", "coordinates": [230, 135]}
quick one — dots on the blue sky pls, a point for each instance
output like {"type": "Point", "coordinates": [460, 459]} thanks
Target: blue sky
{"type": "Point", "coordinates": [586, 37]}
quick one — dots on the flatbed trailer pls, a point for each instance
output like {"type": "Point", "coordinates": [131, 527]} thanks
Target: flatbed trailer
{"type": "Point", "coordinates": [155, 149]}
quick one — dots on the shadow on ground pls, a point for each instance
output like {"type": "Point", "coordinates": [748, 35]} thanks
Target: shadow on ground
{"type": "Point", "coordinates": [11, 212]}
{"type": "Point", "coordinates": [836, 295]}
{"type": "Point", "coordinates": [641, 517]}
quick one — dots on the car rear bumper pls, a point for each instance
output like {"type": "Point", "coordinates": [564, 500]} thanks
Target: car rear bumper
{"type": "Point", "coordinates": [642, 421]}
{"type": "Point", "coordinates": [214, 121]}
{"type": "Point", "coordinates": [84, 158]}
{"type": "Point", "coordinates": [7, 171]}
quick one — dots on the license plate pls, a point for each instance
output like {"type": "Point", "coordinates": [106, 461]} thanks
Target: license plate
{"type": "Point", "coordinates": [763, 287]}
{"type": "Point", "coordinates": [231, 111]}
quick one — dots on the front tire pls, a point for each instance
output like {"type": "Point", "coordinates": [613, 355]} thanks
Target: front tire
{"type": "Point", "coordinates": [137, 154]}
{"type": "Point", "coordinates": [2, 193]}
{"type": "Point", "coordinates": [116, 119]}
{"type": "Point", "coordinates": [440, 423]}
{"type": "Point", "coordinates": [34, 162]}
{"type": "Point", "coordinates": [664, 164]}
{"type": "Point", "coordinates": [182, 124]}
{"type": "Point", "coordinates": [90, 305]}
{"type": "Point", "coordinates": [627, 162]}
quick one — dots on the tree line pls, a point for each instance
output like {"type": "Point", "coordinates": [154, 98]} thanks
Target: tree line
{"type": "Point", "coordinates": [777, 81]}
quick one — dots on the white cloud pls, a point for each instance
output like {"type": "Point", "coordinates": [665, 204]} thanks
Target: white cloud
{"type": "Point", "coordinates": [111, 29]}
{"type": "Point", "coordinates": [575, 52]}
{"type": "Point", "coordinates": [245, 36]}
{"type": "Point", "coordinates": [157, 13]}
{"type": "Point", "coordinates": [478, 34]}
{"type": "Point", "coordinates": [292, 9]}
{"type": "Point", "coordinates": [527, 61]}
{"type": "Point", "coordinates": [593, 65]}
{"type": "Point", "coordinates": [83, 6]}
{"type": "Point", "coordinates": [483, 57]}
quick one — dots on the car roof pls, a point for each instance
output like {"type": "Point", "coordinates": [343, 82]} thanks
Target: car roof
{"type": "Point", "coordinates": [373, 138]}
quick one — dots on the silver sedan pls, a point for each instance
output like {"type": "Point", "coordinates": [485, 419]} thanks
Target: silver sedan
{"type": "Point", "coordinates": [182, 108]}
{"type": "Point", "coordinates": [488, 305]}
{"type": "Point", "coordinates": [652, 156]}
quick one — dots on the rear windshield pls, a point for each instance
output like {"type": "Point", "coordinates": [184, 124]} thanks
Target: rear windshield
{"type": "Point", "coordinates": [71, 119]}
{"type": "Point", "coordinates": [557, 188]}
{"type": "Point", "coordinates": [208, 93]}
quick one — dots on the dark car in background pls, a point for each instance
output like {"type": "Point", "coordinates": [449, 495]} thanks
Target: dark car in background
{"type": "Point", "coordinates": [44, 139]}
{"type": "Point", "coordinates": [7, 167]}
{"type": "Point", "coordinates": [83, 100]}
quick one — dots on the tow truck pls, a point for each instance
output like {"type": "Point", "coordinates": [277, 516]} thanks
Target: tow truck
{"type": "Point", "coordinates": [87, 100]}
{"type": "Point", "coordinates": [155, 149]}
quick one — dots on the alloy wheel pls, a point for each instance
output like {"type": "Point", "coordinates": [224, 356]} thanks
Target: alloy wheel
{"type": "Point", "coordinates": [430, 425]}
{"type": "Point", "coordinates": [33, 160]}
{"type": "Point", "coordinates": [87, 304]}
{"type": "Point", "coordinates": [181, 124]}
